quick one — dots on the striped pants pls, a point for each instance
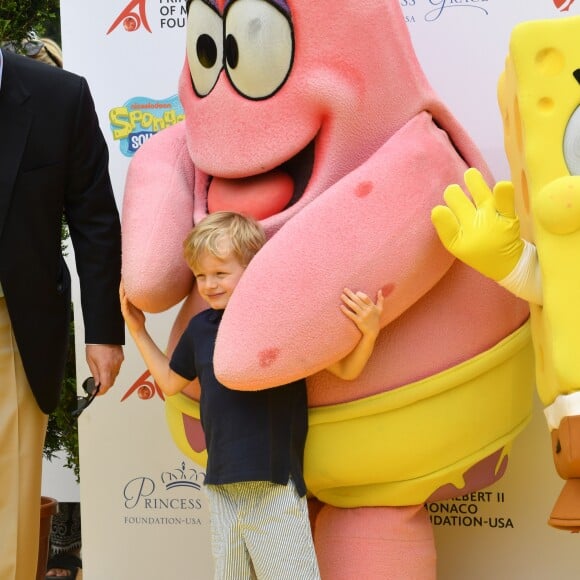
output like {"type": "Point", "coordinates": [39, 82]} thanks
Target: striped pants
{"type": "Point", "coordinates": [261, 531]}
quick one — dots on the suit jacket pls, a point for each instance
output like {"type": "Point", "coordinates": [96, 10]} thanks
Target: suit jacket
{"type": "Point", "coordinates": [54, 159]}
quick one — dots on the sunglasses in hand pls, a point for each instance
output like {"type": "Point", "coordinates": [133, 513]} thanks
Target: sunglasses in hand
{"type": "Point", "coordinates": [91, 389]}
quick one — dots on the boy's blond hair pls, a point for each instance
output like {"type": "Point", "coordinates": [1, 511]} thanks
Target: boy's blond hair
{"type": "Point", "coordinates": [244, 237]}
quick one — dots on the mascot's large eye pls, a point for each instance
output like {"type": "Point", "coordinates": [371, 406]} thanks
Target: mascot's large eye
{"type": "Point", "coordinates": [259, 47]}
{"type": "Point", "coordinates": [204, 46]}
{"type": "Point", "coordinates": [572, 143]}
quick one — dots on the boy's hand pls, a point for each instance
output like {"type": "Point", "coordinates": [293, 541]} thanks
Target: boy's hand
{"type": "Point", "coordinates": [134, 318]}
{"type": "Point", "coordinates": [365, 313]}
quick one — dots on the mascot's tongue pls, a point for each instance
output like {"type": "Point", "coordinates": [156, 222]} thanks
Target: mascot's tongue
{"type": "Point", "coordinates": [259, 197]}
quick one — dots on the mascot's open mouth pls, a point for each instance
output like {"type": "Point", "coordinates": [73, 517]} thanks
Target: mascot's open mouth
{"type": "Point", "coordinates": [265, 194]}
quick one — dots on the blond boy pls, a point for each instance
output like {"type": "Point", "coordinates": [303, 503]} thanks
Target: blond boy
{"type": "Point", "coordinates": [255, 440]}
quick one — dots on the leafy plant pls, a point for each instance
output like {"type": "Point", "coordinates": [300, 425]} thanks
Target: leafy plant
{"type": "Point", "coordinates": [18, 18]}
{"type": "Point", "coordinates": [62, 431]}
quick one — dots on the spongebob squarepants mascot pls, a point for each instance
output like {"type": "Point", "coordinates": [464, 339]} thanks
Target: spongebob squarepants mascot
{"type": "Point", "coordinates": [539, 96]}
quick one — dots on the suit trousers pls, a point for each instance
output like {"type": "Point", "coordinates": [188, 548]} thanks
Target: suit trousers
{"type": "Point", "coordinates": [22, 432]}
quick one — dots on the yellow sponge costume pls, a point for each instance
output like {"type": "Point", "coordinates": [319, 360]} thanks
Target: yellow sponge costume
{"type": "Point", "coordinates": [539, 97]}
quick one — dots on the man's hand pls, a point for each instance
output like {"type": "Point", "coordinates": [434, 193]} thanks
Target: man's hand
{"type": "Point", "coordinates": [483, 233]}
{"type": "Point", "coordinates": [104, 362]}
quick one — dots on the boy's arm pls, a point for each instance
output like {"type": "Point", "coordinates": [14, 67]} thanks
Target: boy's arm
{"type": "Point", "coordinates": [157, 362]}
{"type": "Point", "coordinates": [366, 315]}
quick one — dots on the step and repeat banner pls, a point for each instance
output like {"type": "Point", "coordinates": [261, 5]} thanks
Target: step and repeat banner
{"type": "Point", "coordinates": [144, 511]}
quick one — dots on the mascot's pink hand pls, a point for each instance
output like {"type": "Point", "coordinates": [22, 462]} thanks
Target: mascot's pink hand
{"type": "Point", "coordinates": [157, 215]}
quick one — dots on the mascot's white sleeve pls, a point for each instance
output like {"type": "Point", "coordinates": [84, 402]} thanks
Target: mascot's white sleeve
{"type": "Point", "coordinates": [525, 280]}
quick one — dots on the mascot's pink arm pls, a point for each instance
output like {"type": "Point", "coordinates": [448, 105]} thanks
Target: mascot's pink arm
{"type": "Point", "coordinates": [157, 215]}
{"type": "Point", "coordinates": [286, 307]}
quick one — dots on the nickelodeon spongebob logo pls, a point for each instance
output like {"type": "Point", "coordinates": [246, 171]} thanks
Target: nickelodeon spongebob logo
{"type": "Point", "coordinates": [132, 16]}
{"type": "Point", "coordinates": [563, 5]}
{"type": "Point", "coordinates": [133, 123]}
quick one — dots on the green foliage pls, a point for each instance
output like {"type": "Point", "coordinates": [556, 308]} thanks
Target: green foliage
{"type": "Point", "coordinates": [62, 432]}
{"type": "Point", "coordinates": [19, 17]}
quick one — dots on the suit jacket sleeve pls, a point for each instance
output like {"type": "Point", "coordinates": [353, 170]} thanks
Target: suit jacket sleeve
{"type": "Point", "coordinates": [93, 220]}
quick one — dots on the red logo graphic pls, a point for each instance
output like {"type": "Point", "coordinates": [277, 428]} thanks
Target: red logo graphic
{"type": "Point", "coordinates": [563, 5]}
{"type": "Point", "coordinates": [145, 387]}
{"type": "Point", "coordinates": [132, 16]}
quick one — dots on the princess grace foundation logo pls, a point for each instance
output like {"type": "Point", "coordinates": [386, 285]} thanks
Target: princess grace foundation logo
{"type": "Point", "coordinates": [435, 10]}
{"type": "Point", "coordinates": [174, 498]}
{"type": "Point", "coordinates": [132, 17]}
{"type": "Point", "coordinates": [166, 15]}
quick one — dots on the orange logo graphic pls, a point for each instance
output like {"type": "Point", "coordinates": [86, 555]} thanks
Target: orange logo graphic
{"type": "Point", "coordinates": [145, 387]}
{"type": "Point", "coordinates": [132, 16]}
{"type": "Point", "coordinates": [563, 5]}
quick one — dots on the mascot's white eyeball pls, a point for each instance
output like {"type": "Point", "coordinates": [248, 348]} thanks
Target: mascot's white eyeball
{"type": "Point", "coordinates": [259, 47]}
{"type": "Point", "coordinates": [205, 48]}
{"type": "Point", "coordinates": [572, 143]}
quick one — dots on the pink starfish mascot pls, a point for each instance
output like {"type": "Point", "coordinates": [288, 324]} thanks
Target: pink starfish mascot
{"type": "Point", "coordinates": [315, 117]}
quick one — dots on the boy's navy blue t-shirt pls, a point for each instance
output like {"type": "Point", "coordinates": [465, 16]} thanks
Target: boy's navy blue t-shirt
{"type": "Point", "coordinates": [250, 436]}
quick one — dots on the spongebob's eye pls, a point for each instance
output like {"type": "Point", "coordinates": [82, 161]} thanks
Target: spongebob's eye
{"type": "Point", "coordinates": [259, 47]}
{"type": "Point", "coordinates": [204, 46]}
{"type": "Point", "coordinates": [572, 143]}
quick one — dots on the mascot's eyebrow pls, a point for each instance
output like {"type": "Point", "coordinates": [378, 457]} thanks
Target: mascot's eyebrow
{"type": "Point", "coordinates": [280, 4]}
{"type": "Point", "coordinates": [576, 74]}
{"type": "Point", "coordinates": [211, 3]}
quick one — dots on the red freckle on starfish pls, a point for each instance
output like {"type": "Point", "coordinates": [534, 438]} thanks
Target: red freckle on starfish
{"type": "Point", "coordinates": [268, 356]}
{"type": "Point", "coordinates": [363, 189]}
{"type": "Point", "coordinates": [387, 289]}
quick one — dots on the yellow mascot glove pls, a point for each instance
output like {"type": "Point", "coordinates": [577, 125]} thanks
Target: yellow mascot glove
{"type": "Point", "coordinates": [483, 233]}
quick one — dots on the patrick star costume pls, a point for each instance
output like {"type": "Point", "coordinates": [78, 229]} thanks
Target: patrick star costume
{"type": "Point", "coordinates": [316, 118]}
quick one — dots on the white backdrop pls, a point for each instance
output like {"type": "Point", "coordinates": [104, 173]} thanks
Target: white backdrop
{"type": "Point", "coordinates": [144, 514]}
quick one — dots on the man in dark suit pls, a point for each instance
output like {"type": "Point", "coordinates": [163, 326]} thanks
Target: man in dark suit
{"type": "Point", "coordinates": [53, 159]}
